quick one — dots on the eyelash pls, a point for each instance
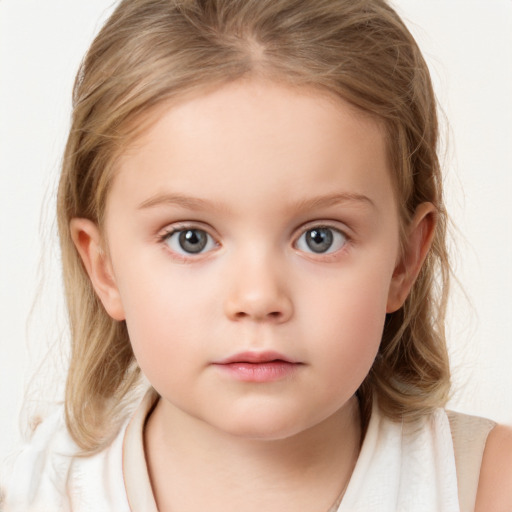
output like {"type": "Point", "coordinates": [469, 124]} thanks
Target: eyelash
{"type": "Point", "coordinates": [212, 242]}
{"type": "Point", "coordinates": [184, 228]}
{"type": "Point", "coordinates": [335, 234]}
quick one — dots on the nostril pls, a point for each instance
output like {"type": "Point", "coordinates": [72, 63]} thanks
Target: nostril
{"type": "Point", "coordinates": [259, 307]}
{"type": "Point", "coordinates": [273, 315]}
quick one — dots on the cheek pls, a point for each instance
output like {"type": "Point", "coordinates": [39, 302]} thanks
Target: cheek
{"type": "Point", "coordinates": [348, 320]}
{"type": "Point", "coordinates": [166, 319]}
{"type": "Point", "coordinates": [355, 323]}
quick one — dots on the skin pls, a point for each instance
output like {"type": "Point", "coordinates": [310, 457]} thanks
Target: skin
{"type": "Point", "coordinates": [255, 166]}
{"type": "Point", "coordinates": [495, 485]}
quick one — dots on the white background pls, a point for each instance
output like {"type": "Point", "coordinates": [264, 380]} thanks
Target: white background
{"type": "Point", "coordinates": [468, 45]}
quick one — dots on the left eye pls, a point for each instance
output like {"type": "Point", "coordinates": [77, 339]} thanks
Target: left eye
{"type": "Point", "coordinates": [190, 241]}
{"type": "Point", "coordinates": [321, 240]}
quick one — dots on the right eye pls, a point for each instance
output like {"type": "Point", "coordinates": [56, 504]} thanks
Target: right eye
{"type": "Point", "coordinates": [189, 241]}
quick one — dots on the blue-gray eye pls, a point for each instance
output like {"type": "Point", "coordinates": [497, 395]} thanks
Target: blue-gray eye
{"type": "Point", "coordinates": [190, 241]}
{"type": "Point", "coordinates": [321, 240]}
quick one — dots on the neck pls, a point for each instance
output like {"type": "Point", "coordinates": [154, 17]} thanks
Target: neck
{"type": "Point", "coordinates": [194, 466]}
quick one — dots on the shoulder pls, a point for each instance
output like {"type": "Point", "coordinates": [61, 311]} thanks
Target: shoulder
{"type": "Point", "coordinates": [495, 484]}
{"type": "Point", "coordinates": [45, 459]}
{"type": "Point", "coordinates": [49, 474]}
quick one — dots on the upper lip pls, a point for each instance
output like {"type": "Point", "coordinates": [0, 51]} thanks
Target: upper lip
{"type": "Point", "coordinates": [255, 357]}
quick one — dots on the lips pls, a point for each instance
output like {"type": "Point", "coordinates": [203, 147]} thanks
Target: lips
{"type": "Point", "coordinates": [257, 366]}
{"type": "Point", "coordinates": [256, 358]}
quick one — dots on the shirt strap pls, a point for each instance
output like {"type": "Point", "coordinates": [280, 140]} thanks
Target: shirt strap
{"type": "Point", "coordinates": [469, 434]}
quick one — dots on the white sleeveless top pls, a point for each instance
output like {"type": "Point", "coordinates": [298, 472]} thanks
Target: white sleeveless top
{"type": "Point", "coordinates": [401, 468]}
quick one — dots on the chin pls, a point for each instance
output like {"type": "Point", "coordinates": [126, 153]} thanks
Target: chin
{"type": "Point", "coordinates": [264, 433]}
{"type": "Point", "coordinates": [263, 427]}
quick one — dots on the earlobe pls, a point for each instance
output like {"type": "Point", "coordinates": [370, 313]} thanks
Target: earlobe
{"type": "Point", "coordinates": [416, 246]}
{"type": "Point", "coordinates": [88, 242]}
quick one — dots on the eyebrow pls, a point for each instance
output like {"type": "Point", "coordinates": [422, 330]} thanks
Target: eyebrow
{"type": "Point", "coordinates": [333, 200]}
{"type": "Point", "coordinates": [196, 203]}
{"type": "Point", "coordinates": [188, 202]}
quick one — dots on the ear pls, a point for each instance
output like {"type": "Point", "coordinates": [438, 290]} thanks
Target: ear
{"type": "Point", "coordinates": [419, 237]}
{"type": "Point", "coordinates": [88, 242]}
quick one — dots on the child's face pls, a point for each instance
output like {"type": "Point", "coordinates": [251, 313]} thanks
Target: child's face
{"type": "Point", "coordinates": [253, 223]}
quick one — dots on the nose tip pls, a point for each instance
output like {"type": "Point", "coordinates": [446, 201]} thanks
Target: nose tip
{"type": "Point", "coordinates": [259, 301]}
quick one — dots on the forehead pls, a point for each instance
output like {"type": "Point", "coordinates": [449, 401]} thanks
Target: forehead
{"type": "Point", "coordinates": [251, 138]}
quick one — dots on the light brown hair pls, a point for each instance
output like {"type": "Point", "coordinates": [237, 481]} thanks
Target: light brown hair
{"type": "Point", "coordinates": [151, 51]}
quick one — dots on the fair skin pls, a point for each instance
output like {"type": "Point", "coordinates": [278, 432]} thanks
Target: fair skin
{"type": "Point", "coordinates": [291, 254]}
{"type": "Point", "coordinates": [495, 485]}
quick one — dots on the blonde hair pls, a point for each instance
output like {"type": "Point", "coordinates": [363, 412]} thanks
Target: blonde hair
{"type": "Point", "coordinates": [151, 51]}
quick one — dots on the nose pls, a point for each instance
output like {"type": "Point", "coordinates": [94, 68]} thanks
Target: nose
{"type": "Point", "coordinates": [258, 291]}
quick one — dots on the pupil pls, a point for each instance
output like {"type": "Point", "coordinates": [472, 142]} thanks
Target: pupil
{"type": "Point", "coordinates": [192, 240]}
{"type": "Point", "coordinates": [319, 239]}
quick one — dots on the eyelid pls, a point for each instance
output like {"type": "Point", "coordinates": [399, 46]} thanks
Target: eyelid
{"type": "Point", "coordinates": [330, 224]}
{"type": "Point", "coordinates": [173, 227]}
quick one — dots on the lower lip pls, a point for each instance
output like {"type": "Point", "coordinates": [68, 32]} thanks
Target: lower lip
{"type": "Point", "coordinates": [269, 371]}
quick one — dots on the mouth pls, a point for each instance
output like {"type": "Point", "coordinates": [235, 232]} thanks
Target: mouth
{"type": "Point", "coordinates": [258, 366]}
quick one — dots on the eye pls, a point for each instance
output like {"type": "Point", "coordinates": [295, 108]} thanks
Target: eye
{"type": "Point", "coordinates": [190, 241]}
{"type": "Point", "coordinates": [321, 240]}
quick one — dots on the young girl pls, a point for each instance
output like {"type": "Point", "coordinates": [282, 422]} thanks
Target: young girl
{"type": "Point", "coordinates": [252, 223]}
